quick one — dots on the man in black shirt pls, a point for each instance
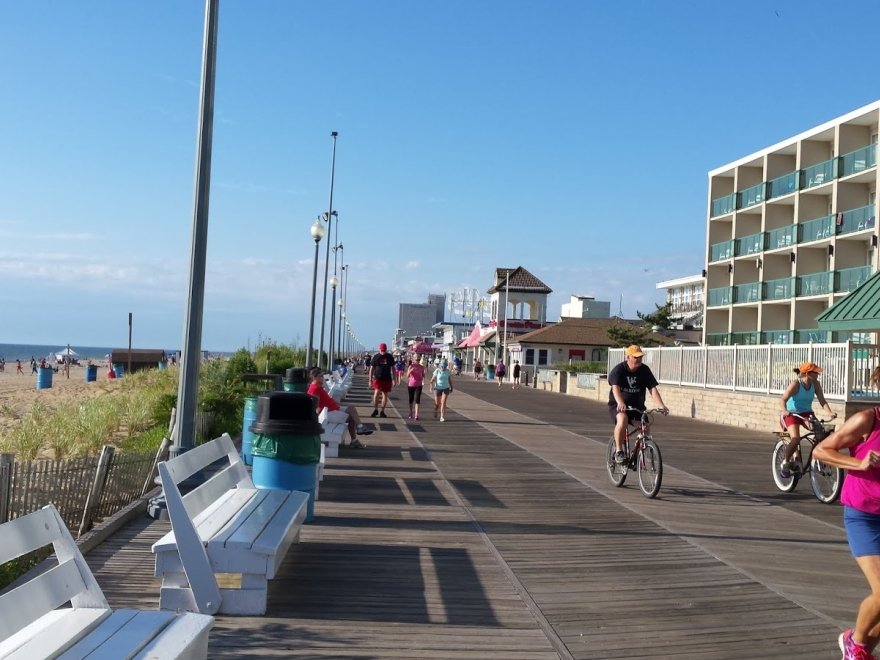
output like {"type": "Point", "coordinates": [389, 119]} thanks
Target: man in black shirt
{"type": "Point", "coordinates": [381, 378]}
{"type": "Point", "coordinates": [629, 381]}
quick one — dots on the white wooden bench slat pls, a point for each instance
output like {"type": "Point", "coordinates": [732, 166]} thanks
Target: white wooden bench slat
{"type": "Point", "coordinates": [212, 517]}
{"type": "Point", "coordinates": [231, 477]}
{"type": "Point", "coordinates": [34, 625]}
{"type": "Point", "coordinates": [284, 530]}
{"type": "Point", "coordinates": [45, 592]}
{"type": "Point", "coordinates": [124, 629]}
{"type": "Point", "coordinates": [51, 633]}
{"type": "Point", "coordinates": [188, 463]}
{"type": "Point", "coordinates": [255, 515]}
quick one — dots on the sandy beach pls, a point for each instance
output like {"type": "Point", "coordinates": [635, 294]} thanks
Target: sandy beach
{"type": "Point", "coordinates": [18, 392]}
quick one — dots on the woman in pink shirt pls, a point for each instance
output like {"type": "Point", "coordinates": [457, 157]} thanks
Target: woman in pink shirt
{"type": "Point", "coordinates": [415, 378]}
{"type": "Point", "coordinates": [861, 516]}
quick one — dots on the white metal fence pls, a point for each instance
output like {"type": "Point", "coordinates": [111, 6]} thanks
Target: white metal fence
{"type": "Point", "coordinates": [766, 368]}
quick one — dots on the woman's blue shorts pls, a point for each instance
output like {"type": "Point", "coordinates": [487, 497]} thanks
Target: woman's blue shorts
{"type": "Point", "coordinates": [862, 532]}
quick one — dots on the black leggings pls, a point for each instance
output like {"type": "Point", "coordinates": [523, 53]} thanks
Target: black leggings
{"type": "Point", "coordinates": [415, 394]}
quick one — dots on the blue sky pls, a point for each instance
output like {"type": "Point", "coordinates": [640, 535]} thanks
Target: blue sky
{"type": "Point", "coordinates": [570, 137]}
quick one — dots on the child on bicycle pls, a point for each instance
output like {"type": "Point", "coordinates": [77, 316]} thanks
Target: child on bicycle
{"type": "Point", "coordinates": [797, 402]}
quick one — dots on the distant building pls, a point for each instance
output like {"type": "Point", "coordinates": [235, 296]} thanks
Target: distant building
{"type": "Point", "coordinates": [586, 307]}
{"type": "Point", "coordinates": [419, 319]}
{"type": "Point", "coordinates": [686, 297]}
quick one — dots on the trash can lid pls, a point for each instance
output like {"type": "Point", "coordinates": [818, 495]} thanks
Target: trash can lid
{"type": "Point", "coordinates": [305, 427]}
{"type": "Point", "coordinates": [297, 375]}
{"type": "Point", "coordinates": [286, 412]}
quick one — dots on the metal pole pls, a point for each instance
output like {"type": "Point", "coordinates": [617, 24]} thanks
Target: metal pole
{"type": "Point", "coordinates": [333, 283]}
{"type": "Point", "coordinates": [187, 396]}
{"type": "Point", "coordinates": [506, 298]}
{"type": "Point", "coordinates": [341, 303]}
{"type": "Point", "coordinates": [128, 368]}
{"type": "Point", "coordinates": [329, 214]}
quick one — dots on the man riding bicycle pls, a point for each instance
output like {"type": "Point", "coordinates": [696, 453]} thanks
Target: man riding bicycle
{"type": "Point", "coordinates": [629, 382]}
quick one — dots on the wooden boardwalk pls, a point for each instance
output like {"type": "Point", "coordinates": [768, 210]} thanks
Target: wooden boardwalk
{"type": "Point", "coordinates": [498, 535]}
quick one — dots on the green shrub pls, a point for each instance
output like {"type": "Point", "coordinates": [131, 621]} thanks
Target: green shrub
{"type": "Point", "coordinates": [582, 367]}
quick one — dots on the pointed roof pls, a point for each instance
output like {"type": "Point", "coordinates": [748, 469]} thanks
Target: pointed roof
{"type": "Point", "coordinates": [473, 339]}
{"type": "Point", "coordinates": [860, 310]}
{"type": "Point", "coordinates": [521, 280]}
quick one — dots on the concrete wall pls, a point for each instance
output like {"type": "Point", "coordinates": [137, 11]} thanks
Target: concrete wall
{"type": "Point", "coordinates": [748, 410]}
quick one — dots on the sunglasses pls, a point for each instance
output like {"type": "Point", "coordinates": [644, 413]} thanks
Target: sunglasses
{"type": "Point", "coordinates": [636, 357]}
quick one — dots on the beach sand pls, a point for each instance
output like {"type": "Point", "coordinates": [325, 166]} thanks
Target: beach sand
{"type": "Point", "coordinates": [19, 392]}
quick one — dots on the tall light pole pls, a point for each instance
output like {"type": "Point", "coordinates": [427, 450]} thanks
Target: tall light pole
{"type": "Point", "coordinates": [317, 231]}
{"type": "Point", "coordinates": [333, 283]}
{"type": "Point", "coordinates": [329, 215]}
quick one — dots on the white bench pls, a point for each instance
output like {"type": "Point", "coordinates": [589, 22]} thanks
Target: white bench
{"type": "Point", "coordinates": [226, 525]}
{"type": "Point", "coordinates": [335, 425]}
{"type": "Point", "coordinates": [34, 625]}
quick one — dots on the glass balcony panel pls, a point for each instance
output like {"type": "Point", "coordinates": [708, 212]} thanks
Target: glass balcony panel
{"type": "Point", "coordinates": [855, 219]}
{"type": "Point", "coordinates": [814, 230]}
{"type": "Point", "coordinates": [780, 237]}
{"type": "Point", "coordinates": [723, 205]}
{"type": "Point", "coordinates": [779, 289]}
{"type": "Point", "coordinates": [751, 196]}
{"type": "Point", "coordinates": [858, 160]}
{"type": "Point", "coordinates": [856, 337]}
{"type": "Point", "coordinates": [782, 185]}
{"type": "Point", "coordinates": [815, 284]}
{"type": "Point", "coordinates": [718, 338]}
{"type": "Point", "coordinates": [811, 335]}
{"type": "Point", "coordinates": [849, 279]}
{"type": "Point", "coordinates": [720, 296]}
{"type": "Point", "coordinates": [747, 293]}
{"type": "Point", "coordinates": [749, 244]}
{"type": "Point", "coordinates": [720, 251]}
{"type": "Point", "coordinates": [818, 174]}
{"type": "Point", "coordinates": [777, 336]}
{"type": "Point", "coordinates": [745, 338]}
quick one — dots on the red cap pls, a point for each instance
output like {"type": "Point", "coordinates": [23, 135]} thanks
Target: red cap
{"type": "Point", "coordinates": [383, 347]}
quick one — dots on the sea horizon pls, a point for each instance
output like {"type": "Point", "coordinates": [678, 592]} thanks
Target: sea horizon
{"type": "Point", "coordinates": [12, 352]}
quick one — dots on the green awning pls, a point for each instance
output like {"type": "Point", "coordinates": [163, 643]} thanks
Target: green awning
{"type": "Point", "coordinates": [859, 311]}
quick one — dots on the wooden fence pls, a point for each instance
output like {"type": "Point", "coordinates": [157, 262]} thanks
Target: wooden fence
{"type": "Point", "coordinates": [84, 490]}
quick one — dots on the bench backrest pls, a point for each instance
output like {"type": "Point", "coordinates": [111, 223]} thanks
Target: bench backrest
{"type": "Point", "coordinates": [71, 580]}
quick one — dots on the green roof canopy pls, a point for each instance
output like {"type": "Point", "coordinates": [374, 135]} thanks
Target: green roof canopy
{"type": "Point", "coordinates": [860, 310]}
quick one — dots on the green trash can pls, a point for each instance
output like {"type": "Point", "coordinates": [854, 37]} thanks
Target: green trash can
{"type": "Point", "coordinates": [296, 379]}
{"type": "Point", "coordinates": [490, 371]}
{"type": "Point", "coordinates": [286, 447]}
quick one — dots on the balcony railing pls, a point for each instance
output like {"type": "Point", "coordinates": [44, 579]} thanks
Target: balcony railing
{"type": "Point", "coordinates": [720, 296]}
{"type": "Point", "coordinates": [858, 160]}
{"type": "Point", "coordinates": [718, 338]}
{"type": "Point", "coordinates": [813, 335]}
{"type": "Point", "coordinates": [815, 284]}
{"type": "Point", "coordinates": [818, 174]}
{"type": "Point", "coordinates": [751, 244]}
{"type": "Point", "coordinates": [855, 219]}
{"type": "Point", "coordinates": [745, 338]}
{"type": "Point", "coordinates": [747, 293]}
{"type": "Point", "coordinates": [849, 279]}
{"type": "Point", "coordinates": [777, 337]}
{"type": "Point", "coordinates": [814, 230]}
{"type": "Point", "coordinates": [720, 251]}
{"type": "Point", "coordinates": [779, 289]}
{"type": "Point", "coordinates": [723, 205]}
{"type": "Point", "coordinates": [780, 237]}
{"type": "Point", "coordinates": [783, 185]}
{"type": "Point", "coordinates": [751, 196]}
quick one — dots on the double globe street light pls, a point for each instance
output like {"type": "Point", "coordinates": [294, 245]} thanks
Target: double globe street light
{"type": "Point", "coordinates": [317, 232]}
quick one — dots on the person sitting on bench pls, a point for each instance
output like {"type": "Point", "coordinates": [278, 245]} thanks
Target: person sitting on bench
{"type": "Point", "coordinates": [316, 389]}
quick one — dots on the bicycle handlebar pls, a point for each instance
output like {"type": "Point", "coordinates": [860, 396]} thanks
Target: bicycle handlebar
{"type": "Point", "coordinates": [812, 417]}
{"type": "Point", "coordinates": [662, 411]}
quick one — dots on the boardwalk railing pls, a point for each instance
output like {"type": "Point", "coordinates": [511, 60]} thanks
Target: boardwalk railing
{"type": "Point", "coordinates": [766, 368]}
{"type": "Point", "coordinates": [84, 490]}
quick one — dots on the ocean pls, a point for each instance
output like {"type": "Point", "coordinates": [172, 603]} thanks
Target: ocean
{"type": "Point", "coordinates": [24, 352]}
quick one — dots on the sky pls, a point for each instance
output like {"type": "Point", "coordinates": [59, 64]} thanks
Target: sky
{"type": "Point", "coordinates": [570, 137]}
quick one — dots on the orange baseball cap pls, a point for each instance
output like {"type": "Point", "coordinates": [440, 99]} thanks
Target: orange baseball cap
{"type": "Point", "coordinates": [807, 367]}
{"type": "Point", "coordinates": [634, 351]}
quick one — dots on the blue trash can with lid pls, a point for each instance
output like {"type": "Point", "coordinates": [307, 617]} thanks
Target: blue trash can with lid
{"type": "Point", "coordinates": [286, 444]}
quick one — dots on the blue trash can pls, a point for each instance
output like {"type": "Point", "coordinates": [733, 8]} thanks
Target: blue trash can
{"type": "Point", "coordinates": [250, 416]}
{"type": "Point", "coordinates": [286, 444]}
{"type": "Point", "coordinates": [44, 378]}
{"type": "Point", "coordinates": [119, 369]}
{"type": "Point", "coordinates": [91, 373]}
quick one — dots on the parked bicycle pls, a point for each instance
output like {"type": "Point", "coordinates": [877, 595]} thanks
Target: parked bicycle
{"type": "Point", "coordinates": [825, 480]}
{"type": "Point", "coordinates": [643, 456]}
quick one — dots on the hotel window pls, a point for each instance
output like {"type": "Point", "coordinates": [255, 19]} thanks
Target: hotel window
{"type": "Point", "coordinates": [530, 356]}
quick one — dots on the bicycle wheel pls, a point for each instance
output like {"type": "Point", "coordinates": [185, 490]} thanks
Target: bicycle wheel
{"type": "Point", "coordinates": [616, 472]}
{"type": "Point", "coordinates": [826, 480]}
{"type": "Point", "coordinates": [650, 466]}
{"type": "Point", "coordinates": [785, 484]}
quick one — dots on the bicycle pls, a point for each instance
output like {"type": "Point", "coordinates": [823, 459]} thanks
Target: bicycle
{"type": "Point", "coordinates": [644, 458]}
{"type": "Point", "coordinates": [825, 480]}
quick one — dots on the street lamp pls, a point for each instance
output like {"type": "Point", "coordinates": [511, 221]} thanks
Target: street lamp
{"type": "Point", "coordinates": [329, 215]}
{"type": "Point", "coordinates": [317, 232]}
{"type": "Point", "coordinates": [333, 283]}
{"type": "Point", "coordinates": [339, 352]}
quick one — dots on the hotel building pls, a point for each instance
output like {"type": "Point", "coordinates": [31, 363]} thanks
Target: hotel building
{"type": "Point", "coordinates": [791, 230]}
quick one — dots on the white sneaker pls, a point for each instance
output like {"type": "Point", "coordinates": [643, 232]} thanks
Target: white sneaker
{"type": "Point", "coordinates": [442, 419]}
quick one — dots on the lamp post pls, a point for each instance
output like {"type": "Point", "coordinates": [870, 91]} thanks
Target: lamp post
{"type": "Point", "coordinates": [317, 231]}
{"type": "Point", "coordinates": [339, 353]}
{"type": "Point", "coordinates": [333, 283]}
{"type": "Point", "coordinates": [329, 215]}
